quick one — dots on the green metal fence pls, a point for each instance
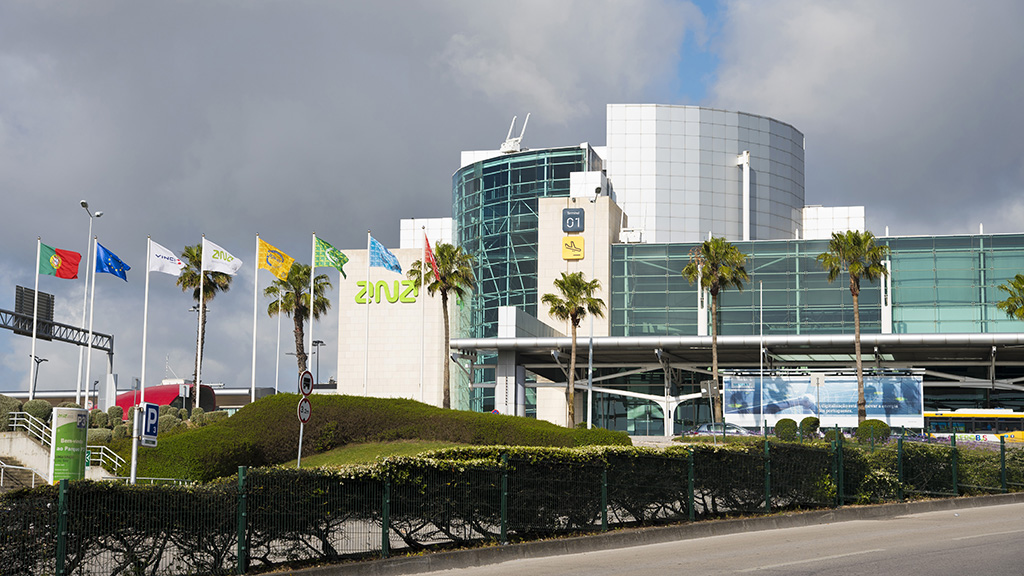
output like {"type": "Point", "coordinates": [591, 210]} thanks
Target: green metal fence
{"type": "Point", "coordinates": [266, 518]}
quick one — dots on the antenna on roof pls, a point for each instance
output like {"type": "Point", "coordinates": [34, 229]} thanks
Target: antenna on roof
{"type": "Point", "coordinates": [512, 145]}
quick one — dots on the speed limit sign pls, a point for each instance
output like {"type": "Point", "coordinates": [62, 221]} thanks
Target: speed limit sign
{"type": "Point", "coordinates": [304, 410]}
{"type": "Point", "coordinates": [306, 383]}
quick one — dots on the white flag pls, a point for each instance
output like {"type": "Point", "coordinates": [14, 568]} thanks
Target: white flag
{"type": "Point", "coordinates": [163, 260]}
{"type": "Point", "coordinates": [217, 259]}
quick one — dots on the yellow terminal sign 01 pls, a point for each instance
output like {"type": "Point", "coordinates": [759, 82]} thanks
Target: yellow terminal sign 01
{"type": "Point", "coordinates": [572, 248]}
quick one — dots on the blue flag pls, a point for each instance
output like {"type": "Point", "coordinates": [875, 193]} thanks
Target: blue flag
{"type": "Point", "coordinates": [107, 261]}
{"type": "Point", "coordinates": [379, 256]}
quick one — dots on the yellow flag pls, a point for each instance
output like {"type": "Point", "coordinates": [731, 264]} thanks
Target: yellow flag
{"type": "Point", "coordinates": [274, 260]}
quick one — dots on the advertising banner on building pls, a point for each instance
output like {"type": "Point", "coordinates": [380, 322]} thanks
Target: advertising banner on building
{"type": "Point", "coordinates": [69, 431]}
{"type": "Point", "coordinates": [896, 399]}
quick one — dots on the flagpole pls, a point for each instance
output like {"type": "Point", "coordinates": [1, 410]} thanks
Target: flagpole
{"type": "Point", "coordinates": [202, 307]}
{"type": "Point", "coordinates": [92, 312]}
{"type": "Point", "coordinates": [423, 310]}
{"type": "Point", "coordinates": [277, 366]}
{"type": "Point", "coordinates": [369, 300]}
{"type": "Point", "coordinates": [33, 365]}
{"type": "Point", "coordinates": [309, 310]}
{"type": "Point", "coordinates": [142, 381]}
{"type": "Point", "coordinates": [255, 294]}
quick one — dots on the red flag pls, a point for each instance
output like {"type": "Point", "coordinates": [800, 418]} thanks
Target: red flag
{"type": "Point", "coordinates": [57, 262]}
{"type": "Point", "coordinates": [430, 258]}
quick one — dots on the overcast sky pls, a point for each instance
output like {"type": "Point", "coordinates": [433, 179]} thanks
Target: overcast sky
{"type": "Point", "coordinates": [232, 118]}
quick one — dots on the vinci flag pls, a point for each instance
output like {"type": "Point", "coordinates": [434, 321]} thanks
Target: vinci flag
{"type": "Point", "coordinates": [274, 260]}
{"type": "Point", "coordinates": [57, 262]}
{"type": "Point", "coordinates": [327, 255]}
{"type": "Point", "coordinates": [382, 258]}
{"type": "Point", "coordinates": [163, 260]}
{"type": "Point", "coordinates": [108, 262]}
{"type": "Point", "coordinates": [217, 259]}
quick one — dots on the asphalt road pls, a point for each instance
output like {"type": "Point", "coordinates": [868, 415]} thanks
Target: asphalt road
{"type": "Point", "coordinates": [986, 541]}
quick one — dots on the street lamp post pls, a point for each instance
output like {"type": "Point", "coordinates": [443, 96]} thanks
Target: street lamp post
{"type": "Point", "coordinates": [95, 394]}
{"type": "Point", "coordinates": [85, 298]}
{"type": "Point", "coordinates": [39, 361]}
{"type": "Point", "coordinates": [316, 350]}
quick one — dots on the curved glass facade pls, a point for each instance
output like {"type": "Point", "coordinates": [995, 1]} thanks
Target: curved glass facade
{"type": "Point", "coordinates": [494, 207]}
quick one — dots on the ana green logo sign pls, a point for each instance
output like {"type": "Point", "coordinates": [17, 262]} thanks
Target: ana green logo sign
{"type": "Point", "coordinates": [403, 291]}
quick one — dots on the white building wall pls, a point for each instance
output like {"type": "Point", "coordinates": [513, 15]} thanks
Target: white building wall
{"type": "Point", "coordinates": [405, 339]}
{"type": "Point", "coordinates": [821, 221]}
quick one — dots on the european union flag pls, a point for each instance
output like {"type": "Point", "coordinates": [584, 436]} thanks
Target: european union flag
{"type": "Point", "coordinates": [107, 261]}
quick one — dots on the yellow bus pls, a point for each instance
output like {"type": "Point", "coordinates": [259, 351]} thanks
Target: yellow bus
{"type": "Point", "coordinates": [976, 424]}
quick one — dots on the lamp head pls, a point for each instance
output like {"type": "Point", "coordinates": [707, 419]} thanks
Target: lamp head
{"type": "Point", "coordinates": [85, 204]}
{"type": "Point", "coordinates": [98, 214]}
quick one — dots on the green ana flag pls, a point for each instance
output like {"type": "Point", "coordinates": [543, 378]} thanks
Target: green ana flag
{"type": "Point", "coordinates": [57, 262]}
{"type": "Point", "coordinates": [327, 255]}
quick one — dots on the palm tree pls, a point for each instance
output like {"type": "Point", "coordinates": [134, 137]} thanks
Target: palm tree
{"type": "Point", "coordinates": [1014, 303]}
{"type": "Point", "coordinates": [291, 297]}
{"type": "Point", "coordinates": [574, 301]}
{"type": "Point", "coordinates": [718, 265]}
{"type": "Point", "coordinates": [454, 275]}
{"type": "Point", "coordinates": [212, 284]}
{"type": "Point", "coordinates": [857, 254]}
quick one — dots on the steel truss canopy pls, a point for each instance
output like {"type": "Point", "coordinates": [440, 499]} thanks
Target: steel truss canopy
{"type": "Point", "coordinates": [22, 324]}
{"type": "Point", "coordinates": [816, 351]}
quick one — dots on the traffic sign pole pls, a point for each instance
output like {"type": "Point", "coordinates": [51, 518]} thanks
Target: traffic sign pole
{"type": "Point", "coordinates": [304, 410]}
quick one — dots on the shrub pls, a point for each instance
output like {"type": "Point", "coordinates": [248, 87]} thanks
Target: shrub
{"type": "Point", "coordinates": [215, 417]}
{"type": "Point", "coordinates": [39, 408]}
{"type": "Point", "coordinates": [115, 414]}
{"type": "Point", "coordinates": [7, 405]}
{"type": "Point", "coordinates": [830, 434]}
{"type": "Point", "coordinates": [785, 429]}
{"type": "Point", "coordinates": [809, 427]}
{"type": "Point", "coordinates": [99, 436]}
{"type": "Point", "coordinates": [166, 408]}
{"type": "Point", "coordinates": [167, 423]}
{"type": "Point", "coordinates": [98, 419]}
{"type": "Point", "coordinates": [121, 431]}
{"type": "Point", "coordinates": [872, 429]}
{"type": "Point", "coordinates": [198, 416]}
{"type": "Point", "coordinates": [68, 405]}
{"type": "Point", "coordinates": [182, 414]}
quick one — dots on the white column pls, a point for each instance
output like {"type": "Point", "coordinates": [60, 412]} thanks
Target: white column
{"type": "Point", "coordinates": [744, 161]}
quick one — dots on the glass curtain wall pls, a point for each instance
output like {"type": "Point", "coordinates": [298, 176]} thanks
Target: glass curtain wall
{"type": "Point", "coordinates": [495, 212]}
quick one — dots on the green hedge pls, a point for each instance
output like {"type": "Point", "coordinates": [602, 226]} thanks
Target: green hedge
{"type": "Point", "coordinates": [7, 405]}
{"type": "Point", "coordinates": [266, 432]}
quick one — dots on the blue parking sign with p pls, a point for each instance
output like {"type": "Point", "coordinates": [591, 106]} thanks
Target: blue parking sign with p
{"type": "Point", "coordinates": [150, 421]}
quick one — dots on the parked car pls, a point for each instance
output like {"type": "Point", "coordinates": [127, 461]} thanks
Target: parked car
{"type": "Point", "coordinates": [719, 429]}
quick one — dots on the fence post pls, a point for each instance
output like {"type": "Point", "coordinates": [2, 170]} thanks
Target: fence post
{"type": "Point", "coordinates": [504, 498]}
{"type": "Point", "coordinates": [842, 466]}
{"type": "Point", "coordinates": [242, 520]}
{"type": "Point", "coordinates": [62, 526]}
{"type": "Point", "coordinates": [1002, 462]}
{"type": "Point", "coordinates": [604, 498]}
{"type": "Point", "coordinates": [385, 521]}
{"type": "Point", "coordinates": [689, 482]}
{"type": "Point", "coordinates": [899, 469]}
{"type": "Point", "coordinates": [955, 457]}
{"type": "Point", "coordinates": [767, 478]}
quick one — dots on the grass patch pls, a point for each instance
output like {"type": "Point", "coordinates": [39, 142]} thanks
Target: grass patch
{"type": "Point", "coordinates": [369, 452]}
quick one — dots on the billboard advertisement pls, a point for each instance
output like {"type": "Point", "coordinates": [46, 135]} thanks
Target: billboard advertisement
{"type": "Point", "coordinates": [69, 432]}
{"type": "Point", "coordinates": [896, 399]}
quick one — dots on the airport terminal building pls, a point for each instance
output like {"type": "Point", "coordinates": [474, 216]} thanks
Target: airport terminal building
{"type": "Point", "coordinates": [630, 213]}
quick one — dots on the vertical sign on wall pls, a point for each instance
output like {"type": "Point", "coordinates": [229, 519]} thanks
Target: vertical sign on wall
{"type": "Point", "coordinates": [68, 436]}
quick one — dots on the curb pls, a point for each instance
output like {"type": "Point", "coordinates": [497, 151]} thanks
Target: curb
{"type": "Point", "coordinates": [622, 538]}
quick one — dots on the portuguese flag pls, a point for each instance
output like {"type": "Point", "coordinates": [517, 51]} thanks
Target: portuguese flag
{"type": "Point", "coordinates": [57, 262]}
